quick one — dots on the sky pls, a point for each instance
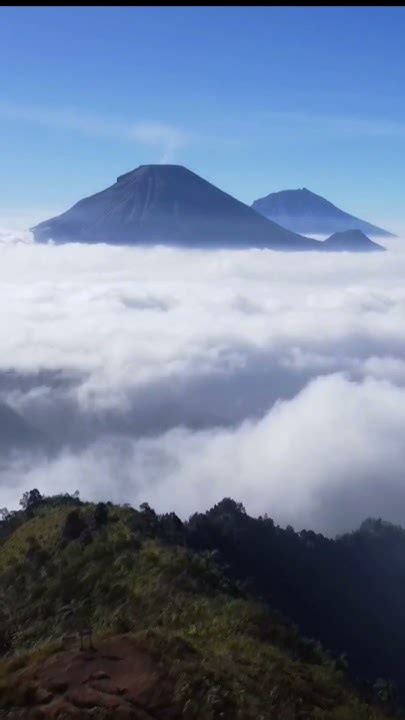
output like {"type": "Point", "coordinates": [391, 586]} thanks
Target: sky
{"type": "Point", "coordinates": [253, 99]}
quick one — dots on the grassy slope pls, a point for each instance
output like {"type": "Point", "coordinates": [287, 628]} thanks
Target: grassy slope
{"type": "Point", "coordinates": [227, 655]}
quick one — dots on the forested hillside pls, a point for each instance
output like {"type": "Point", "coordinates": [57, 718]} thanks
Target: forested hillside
{"type": "Point", "coordinates": [348, 592]}
{"type": "Point", "coordinates": [176, 634]}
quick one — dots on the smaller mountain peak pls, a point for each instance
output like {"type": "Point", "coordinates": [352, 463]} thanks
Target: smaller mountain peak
{"type": "Point", "coordinates": [303, 211]}
{"type": "Point", "coordinates": [352, 234]}
{"type": "Point", "coordinates": [353, 240]}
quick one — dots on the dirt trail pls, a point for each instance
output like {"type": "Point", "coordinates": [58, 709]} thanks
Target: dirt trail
{"type": "Point", "coordinates": [114, 681]}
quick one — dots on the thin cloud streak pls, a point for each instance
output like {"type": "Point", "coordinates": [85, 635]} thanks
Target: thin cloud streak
{"type": "Point", "coordinates": [162, 136]}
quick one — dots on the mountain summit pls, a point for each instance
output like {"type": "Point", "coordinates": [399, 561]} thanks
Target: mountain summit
{"type": "Point", "coordinates": [302, 211]}
{"type": "Point", "coordinates": [167, 204]}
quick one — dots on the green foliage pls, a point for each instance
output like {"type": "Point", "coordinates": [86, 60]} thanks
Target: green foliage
{"type": "Point", "coordinates": [100, 514]}
{"type": "Point", "coordinates": [226, 654]}
{"type": "Point", "coordinates": [74, 526]}
{"type": "Point", "coordinates": [31, 499]}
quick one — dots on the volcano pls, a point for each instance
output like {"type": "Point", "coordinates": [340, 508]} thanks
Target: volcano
{"type": "Point", "coordinates": [302, 211]}
{"type": "Point", "coordinates": [167, 205]}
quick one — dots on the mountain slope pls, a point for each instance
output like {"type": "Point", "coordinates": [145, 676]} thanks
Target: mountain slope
{"type": "Point", "coordinates": [167, 204]}
{"type": "Point", "coordinates": [349, 593]}
{"type": "Point", "coordinates": [173, 636]}
{"type": "Point", "coordinates": [305, 212]}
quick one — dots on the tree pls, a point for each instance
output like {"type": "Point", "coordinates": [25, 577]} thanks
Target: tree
{"type": "Point", "coordinates": [101, 515]}
{"type": "Point", "coordinates": [146, 508]}
{"type": "Point", "coordinates": [86, 537]}
{"type": "Point", "coordinates": [171, 527]}
{"type": "Point", "coordinates": [148, 519]}
{"type": "Point", "coordinates": [385, 691]}
{"type": "Point", "coordinates": [74, 526]}
{"type": "Point", "coordinates": [35, 556]}
{"type": "Point", "coordinates": [5, 639]}
{"type": "Point", "coordinates": [31, 499]}
{"type": "Point", "coordinates": [228, 506]}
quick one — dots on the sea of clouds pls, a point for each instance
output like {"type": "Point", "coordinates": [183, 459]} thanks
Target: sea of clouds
{"type": "Point", "coordinates": [180, 377]}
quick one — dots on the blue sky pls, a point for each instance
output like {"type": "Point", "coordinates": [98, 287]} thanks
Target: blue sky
{"type": "Point", "coordinates": [253, 99]}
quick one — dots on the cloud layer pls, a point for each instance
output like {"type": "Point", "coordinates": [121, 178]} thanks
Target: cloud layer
{"type": "Point", "coordinates": [179, 377]}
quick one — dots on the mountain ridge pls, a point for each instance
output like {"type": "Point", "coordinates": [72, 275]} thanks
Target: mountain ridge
{"type": "Point", "coordinates": [173, 634]}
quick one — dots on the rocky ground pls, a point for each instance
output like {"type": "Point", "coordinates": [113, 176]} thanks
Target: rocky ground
{"type": "Point", "coordinates": [114, 680]}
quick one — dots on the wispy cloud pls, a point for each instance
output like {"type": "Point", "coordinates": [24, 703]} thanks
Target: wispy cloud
{"type": "Point", "coordinates": [159, 135]}
{"type": "Point", "coordinates": [165, 138]}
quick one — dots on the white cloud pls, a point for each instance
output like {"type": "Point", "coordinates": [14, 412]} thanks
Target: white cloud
{"type": "Point", "coordinates": [180, 377]}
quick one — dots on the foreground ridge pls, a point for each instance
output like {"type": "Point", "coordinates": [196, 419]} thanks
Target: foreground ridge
{"type": "Point", "coordinates": [174, 635]}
